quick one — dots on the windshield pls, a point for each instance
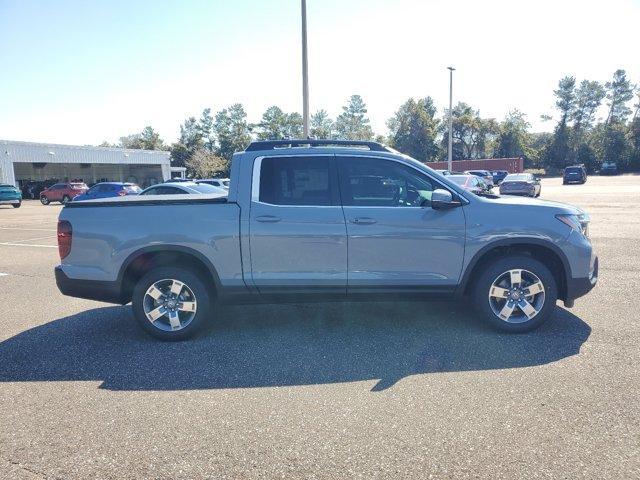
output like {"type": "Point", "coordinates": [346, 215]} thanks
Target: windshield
{"type": "Point", "coordinates": [459, 179]}
{"type": "Point", "coordinates": [573, 169]}
{"type": "Point", "coordinates": [132, 188]}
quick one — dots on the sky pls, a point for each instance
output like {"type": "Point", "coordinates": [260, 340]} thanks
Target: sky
{"type": "Point", "coordinates": [84, 72]}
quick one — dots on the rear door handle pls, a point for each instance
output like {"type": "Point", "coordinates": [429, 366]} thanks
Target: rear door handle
{"type": "Point", "coordinates": [364, 221]}
{"type": "Point", "coordinates": [268, 219]}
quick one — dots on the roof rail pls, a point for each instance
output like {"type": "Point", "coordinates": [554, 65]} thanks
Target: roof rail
{"type": "Point", "coordinates": [273, 144]}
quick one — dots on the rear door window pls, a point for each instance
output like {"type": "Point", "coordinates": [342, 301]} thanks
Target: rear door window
{"type": "Point", "coordinates": [296, 181]}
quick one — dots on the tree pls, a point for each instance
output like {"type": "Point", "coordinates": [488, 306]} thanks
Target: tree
{"type": "Point", "coordinates": [619, 92]}
{"type": "Point", "coordinates": [471, 133]}
{"type": "Point", "coordinates": [615, 145]}
{"type": "Point", "coordinates": [148, 139]}
{"type": "Point", "coordinates": [634, 140]}
{"type": "Point", "coordinates": [190, 135]}
{"type": "Point", "coordinates": [278, 125]}
{"type": "Point", "coordinates": [272, 125]}
{"type": "Point", "coordinates": [565, 97]}
{"type": "Point", "coordinates": [231, 130]}
{"type": "Point", "coordinates": [205, 164]}
{"type": "Point", "coordinates": [588, 98]}
{"type": "Point", "coordinates": [320, 125]}
{"type": "Point", "coordinates": [180, 154]}
{"type": "Point", "coordinates": [204, 128]}
{"type": "Point", "coordinates": [414, 128]}
{"type": "Point", "coordinates": [353, 123]}
{"type": "Point", "coordinates": [558, 153]}
{"type": "Point", "coordinates": [514, 139]}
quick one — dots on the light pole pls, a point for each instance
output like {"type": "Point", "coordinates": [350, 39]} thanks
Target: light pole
{"type": "Point", "coordinates": [450, 152]}
{"type": "Point", "coordinates": [305, 73]}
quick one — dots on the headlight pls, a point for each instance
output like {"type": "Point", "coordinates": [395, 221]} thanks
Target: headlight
{"type": "Point", "coordinates": [579, 222]}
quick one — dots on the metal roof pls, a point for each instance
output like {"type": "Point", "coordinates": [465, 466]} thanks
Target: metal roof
{"type": "Point", "coordinates": [31, 152]}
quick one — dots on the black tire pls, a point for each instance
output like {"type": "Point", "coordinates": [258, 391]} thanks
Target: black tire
{"type": "Point", "coordinates": [17, 205]}
{"type": "Point", "coordinates": [491, 272]}
{"type": "Point", "coordinates": [197, 285]}
{"type": "Point", "coordinates": [44, 200]}
{"type": "Point", "coordinates": [65, 199]}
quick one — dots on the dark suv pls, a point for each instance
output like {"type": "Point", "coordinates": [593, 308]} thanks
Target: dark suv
{"type": "Point", "coordinates": [574, 174]}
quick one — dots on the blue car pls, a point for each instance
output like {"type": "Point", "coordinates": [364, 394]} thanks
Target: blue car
{"type": "Point", "coordinates": [109, 190]}
{"type": "Point", "coordinates": [10, 195]}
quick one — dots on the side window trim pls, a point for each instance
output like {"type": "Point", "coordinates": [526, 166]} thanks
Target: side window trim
{"type": "Point", "coordinates": [255, 180]}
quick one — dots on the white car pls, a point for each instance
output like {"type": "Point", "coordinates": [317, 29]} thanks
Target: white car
{"type": "Point", "coordinates": [216, 182]}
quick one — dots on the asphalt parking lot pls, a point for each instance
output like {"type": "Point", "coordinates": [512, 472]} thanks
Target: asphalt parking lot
{"type": "Point", "coordinates": [322, 391]}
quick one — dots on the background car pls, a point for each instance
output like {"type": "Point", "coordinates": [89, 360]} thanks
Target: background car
{"type": "Point", "coordinates": [444, 172]}
{"type": "Point", "coordinates": [179, 180]}
{"type": "Point", "coordinates": [216, 182]}
{"type": "Point", "coordinates": [574, 174]}
{"type": "Point", "coordinates": [108, 190]}
{"type": "Point", "coordinates": [471, 182]}
{"type": "Point", "coordinates": [183, 188]}
{"type": "Point", "coordinates": [33, 188]}
{"type": "Point", "coordinates": [485, 175]}
{"type": "Point", "coordinates": [498, 176]}
{"type": "Point", "coordinates": [609, 168]}
{"type": "Point", "coordinates": [10, 195]}
{"type": "Point", "coordinates": [62, 192]}
{"type": "Point", "coordinates": [521, 184]}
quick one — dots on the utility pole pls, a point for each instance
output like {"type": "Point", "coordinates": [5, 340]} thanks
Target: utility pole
{"type": "Point", "coordinates": [450, 152]}
{"type": "Point", "coordinates": [305, 73]}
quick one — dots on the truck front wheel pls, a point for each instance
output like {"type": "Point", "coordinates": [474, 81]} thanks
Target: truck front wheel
{"type": "Point", "coordinates": [171, 303]}
{"type": "Point", "coordinates": [516, 293]}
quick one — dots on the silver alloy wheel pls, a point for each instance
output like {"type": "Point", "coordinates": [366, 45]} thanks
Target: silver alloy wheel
{"type": "Point", "coordinates": [169, 305]}
{"type": "Point", "coordinates": [516, 296]}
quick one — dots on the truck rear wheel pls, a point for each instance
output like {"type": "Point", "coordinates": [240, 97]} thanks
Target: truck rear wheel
{"type": "Point", "coordinates": [516, 293]}
{"type": "Point", "coordinates": [171, 303]}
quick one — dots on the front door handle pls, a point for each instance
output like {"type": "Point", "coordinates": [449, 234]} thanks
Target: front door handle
{"type": "Point", "coordinates": [364, 221]}
{"type": "Point", "coordinates": [268, 219]}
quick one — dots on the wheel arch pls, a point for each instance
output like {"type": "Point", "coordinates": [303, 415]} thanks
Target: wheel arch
{"type": "Point", "coordinates": [544, 251]}
{"type": "Point", "coordinates": [143, 260]}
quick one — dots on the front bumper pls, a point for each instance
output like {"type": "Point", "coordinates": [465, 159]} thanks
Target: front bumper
{"type": "Point", "coordinates": [109, 292]}
{"type": "Point", "coordinates": [578, 287]}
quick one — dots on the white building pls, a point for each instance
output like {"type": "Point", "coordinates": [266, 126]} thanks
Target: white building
{"type": "Point", "coordinates": [21, 162]}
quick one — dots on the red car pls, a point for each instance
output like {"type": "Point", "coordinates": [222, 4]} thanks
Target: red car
{"type": "Point", "coordinates": [470, 182]}
{"type": "Point", "coordinates": [62, 192]}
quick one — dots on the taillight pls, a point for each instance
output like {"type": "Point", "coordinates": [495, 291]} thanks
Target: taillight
{"type": "Point", "coordinates": [122, 193]}
{"type": "Point", "coordinates": [65, 233]}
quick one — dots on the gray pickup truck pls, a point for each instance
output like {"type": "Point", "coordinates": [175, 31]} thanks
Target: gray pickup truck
{"type": "Point", "coordinates": [307, 220]}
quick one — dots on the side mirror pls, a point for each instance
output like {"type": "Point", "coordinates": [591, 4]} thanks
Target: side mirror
{"type": "Point", "coordinates": [442, 199]}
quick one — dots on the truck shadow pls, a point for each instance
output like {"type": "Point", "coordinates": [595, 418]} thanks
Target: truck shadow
{"type": "Point", "coordinates": [282, 345]}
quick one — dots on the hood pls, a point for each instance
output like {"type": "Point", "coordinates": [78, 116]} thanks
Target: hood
{"type": "Point", "coordinates": [559, 207]}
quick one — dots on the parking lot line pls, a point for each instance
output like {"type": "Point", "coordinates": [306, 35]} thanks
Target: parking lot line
{"type": "Point", "coordinates": [35, 238]}
{"type": "Point", "coordinates": [29, 229]}
{"type": "Point", "coordinates": [9, 244]}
